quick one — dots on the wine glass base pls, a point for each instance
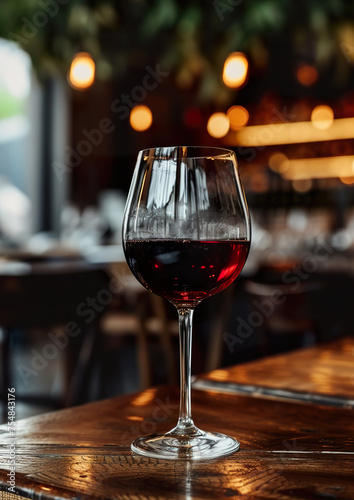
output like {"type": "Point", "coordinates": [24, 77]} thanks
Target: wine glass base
{"type": "Point", "coordinates": [203, 446]}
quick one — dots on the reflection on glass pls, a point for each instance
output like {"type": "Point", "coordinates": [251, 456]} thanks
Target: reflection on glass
{"type": "Point", "coordinates": [186, 237]}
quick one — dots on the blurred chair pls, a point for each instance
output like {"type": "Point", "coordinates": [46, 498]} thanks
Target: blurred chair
{"type": "Point", "coordinates": [287, 321]}
{"type": "Point", "coordinates": [141, 315]}
{"type": "Point", "coordinates": [42, 296]}
{"type": "Point", "coordinates": [219, 325]}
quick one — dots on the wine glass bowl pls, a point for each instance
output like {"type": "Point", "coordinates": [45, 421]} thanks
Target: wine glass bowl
{"type": "Point", "coordinates": [186, 237]}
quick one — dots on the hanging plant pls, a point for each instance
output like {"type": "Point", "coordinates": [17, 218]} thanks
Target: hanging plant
{"type": "Point", "coordinates": [119, 35]}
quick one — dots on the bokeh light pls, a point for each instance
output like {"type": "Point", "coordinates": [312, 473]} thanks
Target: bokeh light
{"type": "Point", "coordinates": [141, 118]}
{"type": "Point", "coordinates": [238, 116]}
{"type": "Point", "coordinates": [235, 70]}
{"type": "Point", "coordinates": [259, 182]}
{"type": "Point", "coordinates": [347, 180]}
{"type": "Point", "coordinates": [322, 117]}
{"type": "Point", "coordinates": [218, 125]}
{"type": "Point", "coordinates": [278, 162]}
{"type": "Point", "coordinates": [302, 185]}
{"type": "Point", "coordinates": [82, 71]}
{"type": "Point", "coordinates": [320, 168]}
{"type": "Point", "coordinates": [307, 75]}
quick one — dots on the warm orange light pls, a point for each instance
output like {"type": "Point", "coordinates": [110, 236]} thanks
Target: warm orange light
{"type": "Point", "coordinates": [302, 186]}
{"type": "Point", "coordinates": [82, 71]}
{"type": "Point", "coordinates": [141, 118]}
{"type": "Point", "coordinates": [307, 75]}
{"type": "Point", "coordinates": [347, 180]}
{"type": "Point", "coordinates": [238, 116]}
{"type": "Point", "coordinates": [322, 117]}
{"type": "Point", "coordinates": [219, 375]}
{"type": "Point", "coordinates": [320, 168]}
{"type": "Point", "coordinates": [144, 398]}
{"type": "Point", "coordinates": [291, 133]}
{"type": "Point", "coordinates": [235, 70]}
{"type": "Point", "coordinates": [218, 125]}
{"type": "Point", "coordinates": [278, 162]}
{"type": "Point", "coordinates": [259, 182]}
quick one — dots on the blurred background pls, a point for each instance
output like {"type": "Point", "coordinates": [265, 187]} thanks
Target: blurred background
{"type": "Point", "coordinates": [85, 85]}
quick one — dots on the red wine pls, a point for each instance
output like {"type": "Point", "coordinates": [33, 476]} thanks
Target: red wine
{"type": "Point", "coordinates": [186, 271]}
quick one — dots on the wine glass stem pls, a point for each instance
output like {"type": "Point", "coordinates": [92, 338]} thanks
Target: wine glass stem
{"type": "Point", "coordinates": [185, 423]}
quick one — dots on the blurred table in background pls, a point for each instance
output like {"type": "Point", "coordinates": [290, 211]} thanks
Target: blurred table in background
{"type": "Point", "coordinates": [323, 374]}
{"type": "Point", "coordinates": [95, 289]}
{"type": "Point", "coordinates": [45, 292]}
{"type": "Point", "coordinates": [141, 324]}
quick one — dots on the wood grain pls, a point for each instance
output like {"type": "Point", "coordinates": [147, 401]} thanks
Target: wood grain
{"type": "Point", "coordinates": [325, 370]}
{"type": "Point", "coordinates": [244, 474]}
{"type": "Point", "coordinates": [257, 423]}
{"type": "Point", "coordinates": [288, 450]}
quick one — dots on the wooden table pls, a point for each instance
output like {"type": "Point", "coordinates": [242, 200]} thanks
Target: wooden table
{"type": "Point", "coordinates": [322, 374]}
{"type": "Point", "coordinates": [290, 449]}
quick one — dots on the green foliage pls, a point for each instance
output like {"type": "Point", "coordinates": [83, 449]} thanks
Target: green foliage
{"type": "Point", "coordinates": [9, 105]}
{"type": "Point", "coordinates": [163, 15]}
{"type": "Point", "coordinates": [121, 34]}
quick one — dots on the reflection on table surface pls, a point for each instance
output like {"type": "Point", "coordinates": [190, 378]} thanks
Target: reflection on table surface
{"type": "Point", "coordinates": [289, 449]}
{"type": "Point", "coordinates": [322, 374]}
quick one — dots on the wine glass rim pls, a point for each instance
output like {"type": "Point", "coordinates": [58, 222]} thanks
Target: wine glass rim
{"type": "Point", "coordinates": [205, 151]}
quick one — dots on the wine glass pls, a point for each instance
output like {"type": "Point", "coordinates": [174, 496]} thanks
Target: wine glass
{"type": "Point", "coordinates": [186, 237]}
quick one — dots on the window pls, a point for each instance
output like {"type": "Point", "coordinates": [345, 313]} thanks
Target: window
{"type": "Point", "coordinates": [16, 175]}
